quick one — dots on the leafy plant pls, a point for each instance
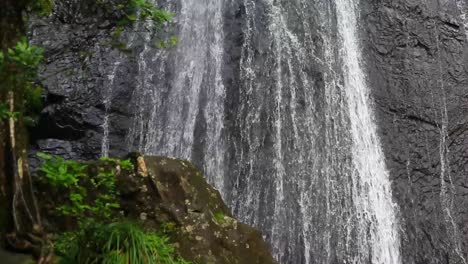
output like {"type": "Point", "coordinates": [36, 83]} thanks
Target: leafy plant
{"type": "Point", "coordinates": [18, 70]}
{"type": "Point", "coordinates": [98, 239]}
{"type": "Point", "coordinates": [5, 113]}
{"type": "Point", "coordinates": [141, 10]}
{"type": "Point", "coordinates": [115, 243]}
{"type": "Point", "coordinates": [87, 196]}
{"type": "Point", "coordinates": [42, 7]}
{"type": "Point", "coordinates": [25, 57]}
{"type": "Point", "coordinates": [60, 172]}
{"type": "Point", "coordinates": [163, 44]}
{"type": "Point", "coordinates": [125, 164]}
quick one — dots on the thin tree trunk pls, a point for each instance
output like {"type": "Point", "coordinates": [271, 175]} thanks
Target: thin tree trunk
{"type": "Point", "coordinates": [22, 226]}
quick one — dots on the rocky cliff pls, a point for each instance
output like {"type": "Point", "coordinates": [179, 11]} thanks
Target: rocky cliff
{"type": "Point", "coordinates": [77, 40]}
{"type": "Point", "coordinates": [417, 63]}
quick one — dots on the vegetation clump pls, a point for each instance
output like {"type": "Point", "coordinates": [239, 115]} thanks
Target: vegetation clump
{"type": "Point", "coordinates": [145, 12]}
{"type": "Point", "coordinates": [219, 217]}
{"type": "Point", "coordinates": [18, 69]}
{"type": "Point", "coordinates": [94, 197]}
{"type": "Point", "coordinates": [115, 243]}
{"type": "Point", "coordinates": [102, 234]}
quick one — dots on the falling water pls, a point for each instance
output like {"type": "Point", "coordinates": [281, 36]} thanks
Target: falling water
{"type": "Point", "coordinates": [371, 185]}
{"type": "Point", "coordinates": [291, 144]}
{"type": "Point", "coordinates": [107, 100]}
{"type": "Point", "coordinates": [171, 110]}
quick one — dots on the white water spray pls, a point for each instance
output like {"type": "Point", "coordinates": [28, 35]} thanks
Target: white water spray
{"type": "Point", "coordinates": [378, 232]}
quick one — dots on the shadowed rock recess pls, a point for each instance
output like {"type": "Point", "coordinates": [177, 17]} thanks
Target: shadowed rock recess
{"type": "Point", "coordinates": [255, 95]}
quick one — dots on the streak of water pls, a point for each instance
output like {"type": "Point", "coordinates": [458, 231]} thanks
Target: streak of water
{"type": "Point", "coordinates": [376, 218]}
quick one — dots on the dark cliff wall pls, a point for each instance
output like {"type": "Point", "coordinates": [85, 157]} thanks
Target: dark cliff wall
{"type": "Point", "coordinates": [416, 60]}
{"type": "Point", "coordinates": [417, 64]}
{"type": "Point", "coordinates": [78, 54]}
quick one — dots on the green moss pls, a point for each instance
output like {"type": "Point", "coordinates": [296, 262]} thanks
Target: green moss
{"type": "Point", "coordinates": [219, 217]}
{"type": "Point", "coordinates": [168, 227]}
{"type": "Point", "coordinates": [41, 7]}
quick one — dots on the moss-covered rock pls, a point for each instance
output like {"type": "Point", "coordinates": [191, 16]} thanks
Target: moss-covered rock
{"type": "Point", "coordinates": [171, 196]}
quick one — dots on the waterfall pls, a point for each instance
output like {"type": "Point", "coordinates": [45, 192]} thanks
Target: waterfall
{"type": "Point", "coordinates": [288, 137]}
{"type": "Point", "coordinates": [371, 186]}
{"type": "Point", "coordinates": [107, 101]}
{"type": "Point", "coordinates": [180, 92]}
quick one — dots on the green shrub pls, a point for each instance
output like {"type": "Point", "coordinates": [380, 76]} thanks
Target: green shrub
{"type": "Point", "coordinates": [95, 197]}
{"type": "Point", "coordinates": [100, 238]}
{"type": "Point", "coordinates": [115, 243]}
{"type": "Point", "coordinates": [125, 164]}
{"type": "Point", "coordinates": [18, 70]}
{"type": "Point", "coordinates": [142, 10]}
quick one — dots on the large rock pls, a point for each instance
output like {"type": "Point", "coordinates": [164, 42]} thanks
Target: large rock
{"type": "Point", "coordinates": [171, 196]}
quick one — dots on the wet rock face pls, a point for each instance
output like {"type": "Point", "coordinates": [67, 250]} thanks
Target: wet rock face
{"type": "Point", "coordinates": [76, 39]}
{"type": "Point", "coordinates": [417, 67]}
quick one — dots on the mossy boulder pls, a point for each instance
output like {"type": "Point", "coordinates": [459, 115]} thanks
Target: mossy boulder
{"type": "Point", "coordinates": [171, 196]}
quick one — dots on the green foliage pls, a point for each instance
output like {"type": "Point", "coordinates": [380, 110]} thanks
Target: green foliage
{"type": "Point", "coordinates": [125, 164]}
{"type": "Point", "coordinates": [115, 243]}
{"type": "Point", "coordinates": [144, 10]}
{"type": "Point", "coordinates": [141, 10]}
{"type": "Point", "coordinates": [163, 44]}
{"type": "Point", "coordinates": [98, 238]}
{"type": "Point", "coordinates": [26, 58]}
{"type": "Point", "coordinates": [18, 70]}
{"type": "Point", "coordinates": [87, 196]}
{"type": "Point", "coordinates": [219, 217]}
{"type": "Point", "coordinates": [5, 112]}
{"type": "Point", "coordinates": [60, 172]}
{"type": "Point", "coordinates": [42, 7]}
{"type": "Point", "coordinates": [168, 227]}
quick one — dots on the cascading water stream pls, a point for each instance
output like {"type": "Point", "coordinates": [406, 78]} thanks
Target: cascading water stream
{"type": "Point", "coordinates": [296, 154]}
{"type": "Point", "coordinates": [107, 100]}
{"type": "Point", "coordinates": [171, 110]}
{"type": "Point", "coordinates": [371, 185]}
